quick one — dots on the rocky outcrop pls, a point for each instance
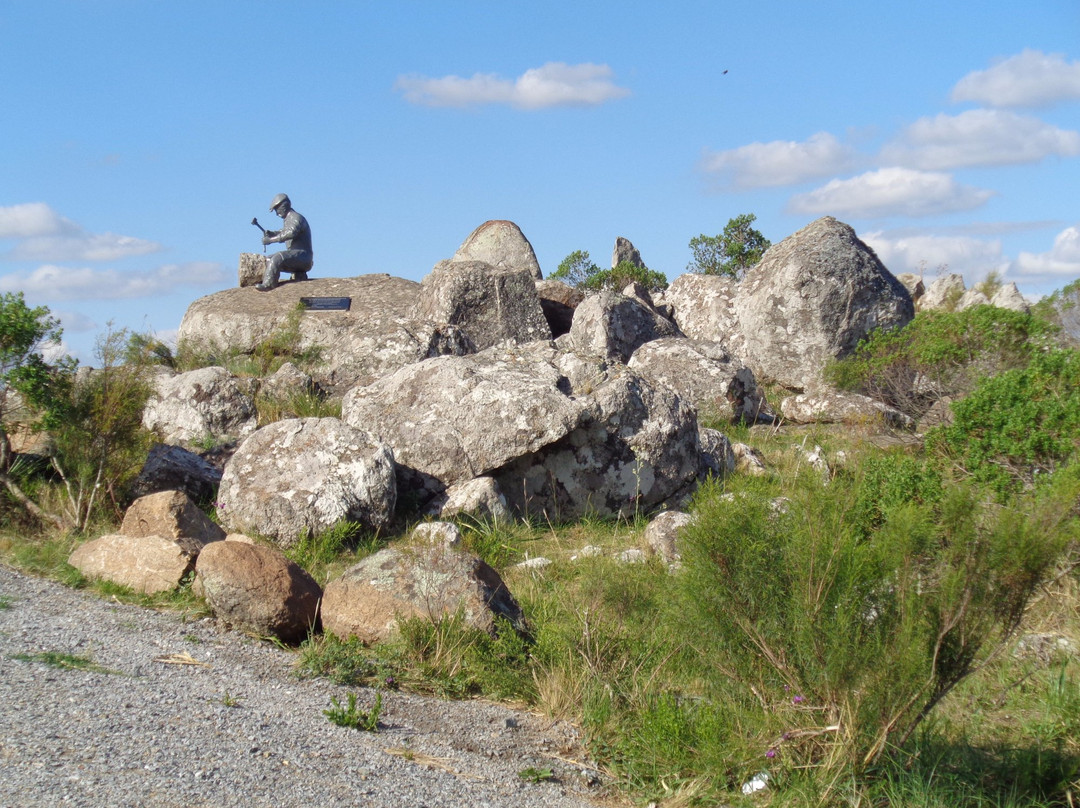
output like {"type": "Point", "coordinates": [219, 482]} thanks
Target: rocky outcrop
{"type": "Point", "coordinates": [811, 299]}
{"type": "Point", "coordinates": [302, 476]}
{"type": "Point", "coordinates": [558, 301]}
{"type": "Point", "coordinates": [943, 293]}
{"type": "Point", "coordinates": [204, 405]}
{"type": "Point", "coordinates": [287, 381]}
{"type": "Point", "coordinates": [612, 325]}
{"type": "Point", "coordinates": [251, 269]}
{"type": "Point", "coordinates": [428, 580]}
{"type": "Point", "coordinates": [488, 304]}
{"type": "Point", "coordinates": [706, 375]}
{"type": "Point", "coordinates": [378, 334]}
{"type": "Point", "coordinates": [914, 284]}
{"type": "Point", "coordinates": [662, 534]}
{"type": "Point", "coordinates": [1008, 297]}
{"type": "Point", "coordinates": [625, 252]}
{"type": "Point", "coordinates": [258, 589]}
{"type": "Point", "coordinates": [479, 498]}
{"type": "Point", "coordinates": [171, 514]}
{"type": "Point", "coordinates": [173, 468]}
{"type": "Point", "coordinates": [717, 454]}
{"type": "Point", "coordinates": [502, 245]}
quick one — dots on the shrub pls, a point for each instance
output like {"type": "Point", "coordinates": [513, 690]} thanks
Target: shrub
{"type": "Point", "coordinates": [940, 354]}
{"type": "Point", "coordinates": [731, 253]}
{"type": "Point", "coordinates": [827, 632]}
{"type": "Point", "coordinates": [1019, 424]}
{"type": "Point", "coordinates": [578, 270]}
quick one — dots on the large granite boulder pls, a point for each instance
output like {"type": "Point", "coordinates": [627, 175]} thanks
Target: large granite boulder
{"type": "Point", "coordinates": [706, 375]}
{"type": "Point", "coordinates": [811, 299]}
{"type": "Point", "coordinates": [378, 334]}
{"type": "Point", "coordinates": [302, 476]}
{"type": "Point", "coordinates": [451, 419]}
{"type": "Point", "coordinates": [1008, 297]}
{"type": "Point", "coordinates": [613, 325]}
{"type": "Point", "coordinates": [502, 245]}
{"type": "Point", "coordinates": [258, 589]}
{"type": "Point", "coordinates": [146, 564]}
{"type": "Point", "coordinates": [489, 304]}
{"type": "Point", "coordinates": [943, 293]}
{"type": "Point", "coordinates": [208, 404]}
{"type": "Point", "coordinates": [426, 580]}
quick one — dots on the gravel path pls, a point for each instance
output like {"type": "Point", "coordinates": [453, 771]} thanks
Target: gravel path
{"type": "Point", "coordinates": [238, 729]}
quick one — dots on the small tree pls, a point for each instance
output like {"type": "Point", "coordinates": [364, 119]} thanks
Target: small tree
{"type": "Point", "coordinates": [731, 253]}
{"type": "Point", "coordinates": [575, 269]}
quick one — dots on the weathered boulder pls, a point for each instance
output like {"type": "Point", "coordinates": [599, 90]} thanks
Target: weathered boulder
{"type": "Point", "coordinates": [502, 245]}
{"type": "Point", "coordinates": [173, 515]}
{"type": "Point", "coordinates": [943, 293]}
{"type": "Point", "coordinates": [705, 374]}
{"type": "Point", "coordinates": [825, 406]}
{"type": "Point", "coordinates": [445, 533]}
{"type": "Point", "coordinates": [662, 534]}
{"type": "Point", "coordinates": [174, 468]}
{"type": "Point", "coordinates": [811, 299]}
{"type": "Point", "coordinates": [378, 334]}
{"type": "Point", "coordinates": [302, 476]}
{"type": "Point", "coordinates": [208, 404]}
{"type": "Point", "coordinates": [625, 251]}
{"type": "Point", "coordinates": [287, 381]}
{"type": "Point", "coordinates": [704, 308]}
{"type": "Point", "coordinates": [636, 447]}
{"type": "Point", "coordinates": [972, 298]}
{"type": "Point", "coordinates": [488, 304]}
{"type": "Point", "coordinates": [558, 301]}
{"type": "Point", "coordinates": [257, 588]}
{"type": "Point", "coordinates": [146, 564]}
{"type": "Point", "coordinates": [451, 419]}
{"type": "Point", "coordinates": [612, 325]}
{"type": "Point", "coordinates": [427, 580]}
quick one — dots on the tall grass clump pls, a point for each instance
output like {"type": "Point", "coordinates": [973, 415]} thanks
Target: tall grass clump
{"type": "Point", "coordinates": [819, 633]}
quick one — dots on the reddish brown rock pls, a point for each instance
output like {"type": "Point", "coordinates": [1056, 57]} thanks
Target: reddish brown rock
{"type": "Point", "coordinates": [171, 514]}
{"type": "Point", "coordinates": [146, 564]}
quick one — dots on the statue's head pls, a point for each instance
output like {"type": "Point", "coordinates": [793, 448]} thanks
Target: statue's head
{"type": "Point", "coordinates": [281, 205]}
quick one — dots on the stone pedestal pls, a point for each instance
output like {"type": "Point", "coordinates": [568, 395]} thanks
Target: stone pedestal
{"type": "Point", "coordinates": [252, 267]}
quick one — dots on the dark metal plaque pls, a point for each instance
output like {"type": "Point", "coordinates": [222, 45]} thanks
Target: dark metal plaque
{"type": "Point", "coordinates": [326, 303]}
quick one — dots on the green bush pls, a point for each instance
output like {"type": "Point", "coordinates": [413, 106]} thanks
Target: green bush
{"type": "Point", "coordinates": [1018, 425]}
{"type": "Point", "coordinates": [730, 253]}
{"type": "Point", "coordinates": [579, 271]}
{"type": "Point", "coordinates": [940, 354]}
{"type": "Point", "coordinates": [828, 630]}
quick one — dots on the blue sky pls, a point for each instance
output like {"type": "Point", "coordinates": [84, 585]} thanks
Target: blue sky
{"type": "Point", "coordinates": [139, 138]}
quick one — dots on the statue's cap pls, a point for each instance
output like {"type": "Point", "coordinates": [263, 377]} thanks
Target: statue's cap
{"type": "Point", "coordinates": [279, 200]}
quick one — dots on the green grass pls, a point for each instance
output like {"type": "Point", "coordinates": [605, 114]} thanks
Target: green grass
{"type": "Point", "coordinates": [65, 661]}
{"type": "Point", "coordinates": [352, 717]}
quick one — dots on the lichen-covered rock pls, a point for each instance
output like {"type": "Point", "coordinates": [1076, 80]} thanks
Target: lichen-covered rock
{"type": "Point", "coordinates": [479, 498]}
{"type": "Point", "coordinates": [624, 251]}
{"type": "Point", "coordinates": [287, 381]}
{"type": "Point", "coordinates": [704, 308]}
{"type": "Point", "coordinates": [1009, 297]}
{"type": "Point", "coordinates": [558, 301]}
{"type": "Point", "coordinates": [146, 564]}
{"type": "Point", "coordinates": [257, 588]}
{"type": "Point", "coordinates": [811, 299]}
{"type": "Point", "coordinates": [302, 476]}
{"type": "Point", "coordinates": [451, 419]}
{"type": "Point", "coordinates": [205, 404]}
{"type": "Point", "coordinates": [833, 407]}
{"type": "Point", "coordinates": [171, 514]}
{"type": "Point", "coordinates": [376, 335]}
{"type": "Point", "coordinates": [427, 580]}
{"type": "Point", "coordinates": [251, 269]}
{"type": "Point", "coordinates": [489, 304]}
{"type": "Point", "coordinates": [914, 284]}
{"type": "Point", "coordinates": [717, 456]}
{"type": "Point", "coordinates": [502, 245]}
{"type": "Point", "coordinates": [612, 325]}
{"type": "Point", "coordinates": [970, 299]}
{"type": "Point", "coordinates": [705, 374]}
{"type": "Point", "coordinates": [662, 534]}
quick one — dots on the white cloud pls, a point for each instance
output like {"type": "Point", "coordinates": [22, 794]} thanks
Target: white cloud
{"type": "Point", "coordinates": [979, 137]}
{"type": "Point", "coordinates": [971, 257]}
{"type": "Point", "coordinates": [1029, 79]}
{"type": "Point", "coordinates": [33, 219]}
{"type": "Point", "coordinates": [554, 84]}
{"type": "Point", "coordinates": [51, 282]}
{"type": "Point", "coordinates": [781, 162]}
{"type": "Point", "coordinates": [1063, 259]}
{"type": "Point", "coordinates": [890, 192]}
{"type": "Point", "coordinates": [44, 235]}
